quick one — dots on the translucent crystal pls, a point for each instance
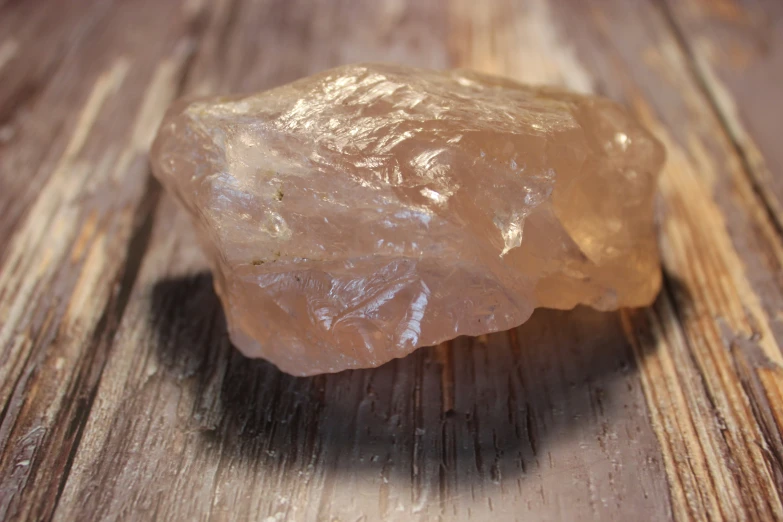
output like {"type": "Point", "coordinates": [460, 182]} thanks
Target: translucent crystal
{"type": "Point", "coordinates": [357, 214]}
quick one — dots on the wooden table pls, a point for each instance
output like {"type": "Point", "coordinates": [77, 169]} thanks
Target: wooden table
{"type": "Point", "coordinates": [122, 398]}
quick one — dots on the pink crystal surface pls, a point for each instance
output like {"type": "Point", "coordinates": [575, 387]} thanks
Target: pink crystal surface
{"type": "Point", "coordinates": [357, 214]}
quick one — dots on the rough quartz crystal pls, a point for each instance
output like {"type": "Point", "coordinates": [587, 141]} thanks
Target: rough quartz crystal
{"type": "Point", "coordinates": [355, 215]}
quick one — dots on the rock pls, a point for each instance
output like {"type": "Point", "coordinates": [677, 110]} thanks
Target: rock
{"type": "Point", "coordinates": [357, 214]}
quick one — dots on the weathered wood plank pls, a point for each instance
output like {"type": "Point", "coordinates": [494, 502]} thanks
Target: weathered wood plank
{"type": "Point", "coordinates": [716, 370]}
{"type": "Point", "coordinates": [36, 103]}
{"type": "Point", "coordinates": [69, 264]}
{"type": "Point", "coordinates": [671, 412]}
{"type": "Point", "coordinates": [736, 52]}
{"type": "Point", "coordinates": [736, 49]}
{"type": "Point", "coordinates": [489, 428]}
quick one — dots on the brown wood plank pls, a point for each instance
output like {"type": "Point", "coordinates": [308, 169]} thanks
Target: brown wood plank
{"type": "Point", "coordinates": [69, 263]}
{"type": "Point", "coordinates": [541, 423]}
{"type": "Point", "coordinates": [36, 103]}
{"type": "Point", "coordinates": [671, 412]}
{"type": "Point", "coordinates": [713, 380]}
{"type": "Point", "coordinates": [736, 49]}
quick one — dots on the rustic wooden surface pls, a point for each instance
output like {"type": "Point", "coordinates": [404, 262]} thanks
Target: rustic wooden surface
{"type": "Point", "coordinates": [122, 398]}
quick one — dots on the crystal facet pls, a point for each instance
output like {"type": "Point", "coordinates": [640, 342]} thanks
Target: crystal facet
{"type": "Point", "coordinates": [357, 214]}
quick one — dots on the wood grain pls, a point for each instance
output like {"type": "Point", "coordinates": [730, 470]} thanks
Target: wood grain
{"type": "Point", "coordinates": [123, 398]}
{"type": "Point", "coordinates": [715, 238]}
{"type": "Point", "coordinates": [736, 50]}
{"type": "Point", "coordinates": [69, 263]}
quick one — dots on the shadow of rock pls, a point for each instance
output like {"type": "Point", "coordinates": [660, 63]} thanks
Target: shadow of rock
{"type": "Point", "coordinates": [473, 410]}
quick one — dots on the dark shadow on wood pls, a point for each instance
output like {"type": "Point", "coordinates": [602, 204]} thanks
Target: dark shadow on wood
{"type": "Point", "coordinates": [479, 407]}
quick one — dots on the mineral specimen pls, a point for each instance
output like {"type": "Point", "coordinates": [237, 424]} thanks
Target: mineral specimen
{"type": "Point", "coordinates": [355, 215]}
